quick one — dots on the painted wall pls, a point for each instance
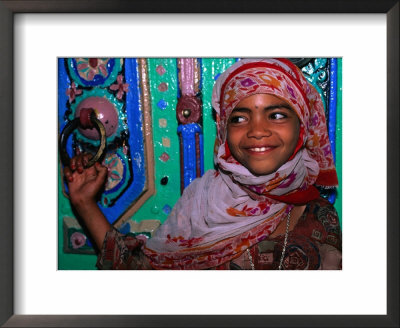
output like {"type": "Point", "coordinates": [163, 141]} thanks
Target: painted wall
{"type": "Point", "coordinates": [153, 149]}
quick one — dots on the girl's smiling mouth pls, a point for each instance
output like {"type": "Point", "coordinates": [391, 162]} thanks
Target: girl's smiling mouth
{"type": "Point", "coordinates": [264, 149]}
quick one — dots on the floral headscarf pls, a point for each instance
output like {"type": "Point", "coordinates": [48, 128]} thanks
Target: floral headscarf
{"type": "Point", "coordinates": [227, 211]}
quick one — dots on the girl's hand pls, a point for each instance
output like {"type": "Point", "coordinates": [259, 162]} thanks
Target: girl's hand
{"type": "Point", "coordinates": [84, 184]}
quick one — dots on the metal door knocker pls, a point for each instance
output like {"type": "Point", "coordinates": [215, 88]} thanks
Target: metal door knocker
{"type": "Point", "coordinates": [86, 120]}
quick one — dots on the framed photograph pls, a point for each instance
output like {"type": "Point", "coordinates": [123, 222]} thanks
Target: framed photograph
{"type": "Point", "coordinates": [35, 35]}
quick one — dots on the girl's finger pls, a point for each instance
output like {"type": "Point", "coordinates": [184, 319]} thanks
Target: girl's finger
{"type": "Point", "coordinates": [97, 166]}
{"type": "Point", "coordinates": [72, 163]}
{"type": "Point", "coordinates": [68, 174]}
{"type": "Point", "coordinates": [102, 173]}
{"type": "Point", "coordinates": [85, 160]}
{"type": "Point", "coordinates": [79, 164]}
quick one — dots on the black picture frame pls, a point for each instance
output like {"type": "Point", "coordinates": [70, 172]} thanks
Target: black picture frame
{"type": "Point", "coordinates": [7, 11]}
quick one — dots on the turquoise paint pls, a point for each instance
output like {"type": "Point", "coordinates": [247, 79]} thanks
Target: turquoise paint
{"type": "Point", "coordinates": [165, 195]}
{"type": "Point", "coordinates": [339, 140]}
{"type": "Point", "coordinates": [315, 73]}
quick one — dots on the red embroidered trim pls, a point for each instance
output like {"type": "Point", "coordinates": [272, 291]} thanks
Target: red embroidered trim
{"type": "Point", "coordinates": [300, 197]}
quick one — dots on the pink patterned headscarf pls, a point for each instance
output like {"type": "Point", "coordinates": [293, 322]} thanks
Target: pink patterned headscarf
{"type": "Point", "coordinates": [227, 211]}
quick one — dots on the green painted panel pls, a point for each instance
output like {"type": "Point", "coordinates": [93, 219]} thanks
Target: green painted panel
{"type": "Point", "coordinates": [163, 83]}
{"type": "Point", "coordinates": [338, 203]}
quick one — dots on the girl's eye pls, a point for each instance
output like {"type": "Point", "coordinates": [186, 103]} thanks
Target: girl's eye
{"type": "Point", "coordinates": [277, 116]}
{"type": "Point", "coordinates": [237, 119]}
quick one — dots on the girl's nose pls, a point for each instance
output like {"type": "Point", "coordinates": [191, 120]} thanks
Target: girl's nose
{"type": "Point", "coordinates": [259, 129]}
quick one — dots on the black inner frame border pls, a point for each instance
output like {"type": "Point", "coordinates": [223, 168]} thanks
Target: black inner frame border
{"type": "Point", "coordinates": [10, 7]}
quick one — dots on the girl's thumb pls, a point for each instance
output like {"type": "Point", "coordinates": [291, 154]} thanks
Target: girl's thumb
{"type": "Point", "coordinates": [101, 172]}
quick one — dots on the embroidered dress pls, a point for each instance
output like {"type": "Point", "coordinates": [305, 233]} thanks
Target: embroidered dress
{"type": "Point", "coordinates": [227, 211]}
{"type": "Point", "coordinates": [313, 244]}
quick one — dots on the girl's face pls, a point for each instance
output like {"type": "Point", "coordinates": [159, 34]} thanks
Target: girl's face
{"type": "Point", "coordinates": [262, 133]}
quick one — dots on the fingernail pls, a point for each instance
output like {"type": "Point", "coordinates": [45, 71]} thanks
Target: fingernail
{"type": "Point", "coordinates": [70, 179]}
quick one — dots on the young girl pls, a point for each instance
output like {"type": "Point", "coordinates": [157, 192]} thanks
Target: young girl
{"type": "Point", "coordinates": [260, 209]}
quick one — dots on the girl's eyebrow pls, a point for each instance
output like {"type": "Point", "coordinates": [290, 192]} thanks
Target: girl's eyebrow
{"type": "Point", "coordinates": [278, 106]}
{"type": "Point", "coordinates": [241, 109]}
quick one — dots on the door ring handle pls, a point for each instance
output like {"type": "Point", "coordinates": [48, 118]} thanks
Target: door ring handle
{"type": "Point", "coordinates": [72, 125]}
